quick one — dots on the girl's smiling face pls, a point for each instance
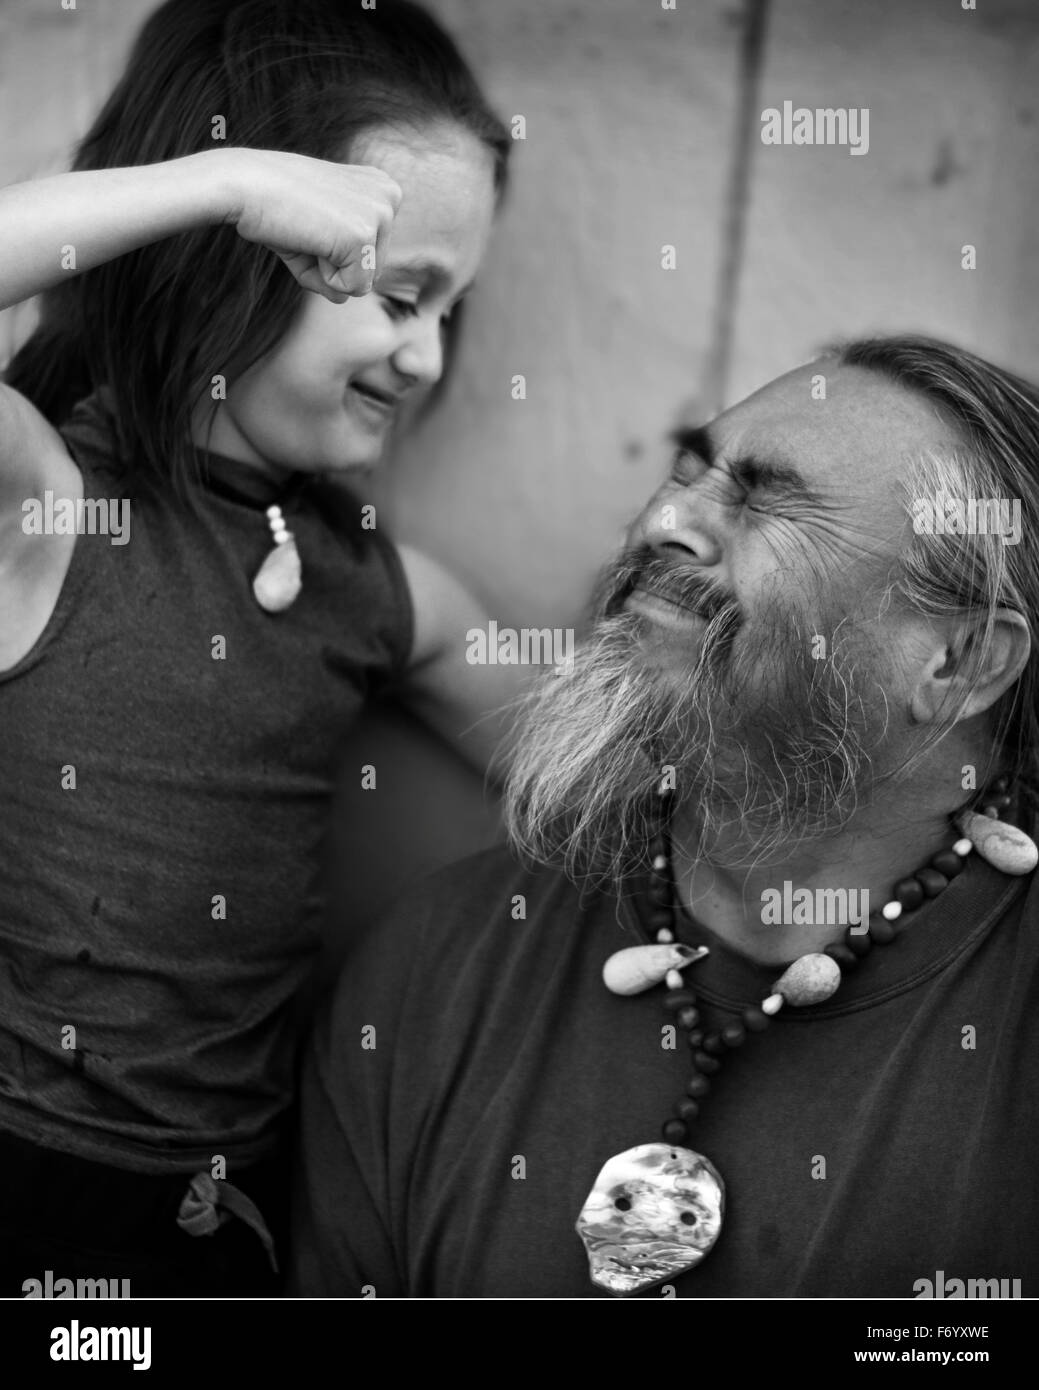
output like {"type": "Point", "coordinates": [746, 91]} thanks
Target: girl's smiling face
{"type": "Point", "coordinates": [326, 397]}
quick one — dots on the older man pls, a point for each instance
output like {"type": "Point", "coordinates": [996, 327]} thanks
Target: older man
{"type": "Point", "coordinates": [800, 736]}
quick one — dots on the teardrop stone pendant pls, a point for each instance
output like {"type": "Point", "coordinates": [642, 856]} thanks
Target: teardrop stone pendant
{"type": "Point", "coordinates": [1004, 846]}
{"type": "Point", "coordinates": [653, 1212]}
{"type": "Point", "coordinates": [279, 579]}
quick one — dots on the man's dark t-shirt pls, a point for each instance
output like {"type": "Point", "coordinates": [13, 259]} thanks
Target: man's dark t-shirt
{"type": "Point", "coordinates": [472, 1074]}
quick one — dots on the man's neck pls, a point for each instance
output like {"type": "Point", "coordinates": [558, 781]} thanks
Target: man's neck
{"type": "Point", "coordinates": [777, 911]}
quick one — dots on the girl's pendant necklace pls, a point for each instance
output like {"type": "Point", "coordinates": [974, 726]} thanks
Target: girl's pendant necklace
{"type": "Point", "coordinates": [280, 577]}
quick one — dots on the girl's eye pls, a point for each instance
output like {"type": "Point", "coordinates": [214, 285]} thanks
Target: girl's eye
{"type": "Point", "coordinates": [399, 308]}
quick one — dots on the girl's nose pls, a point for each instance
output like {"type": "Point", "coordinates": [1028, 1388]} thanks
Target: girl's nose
{"type": "Point", "coordinates": [421, 354]}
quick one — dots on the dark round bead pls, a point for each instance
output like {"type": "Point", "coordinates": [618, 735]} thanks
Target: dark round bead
{"type": "Point", "coordinates": [1000, 800]}
{"type": "Point", "coordinates": [697, 1086]}
{"type": "Point", "coordinates": [755, 1021]}
{"type": "Point", "coordinates": [882, 931]}
{"type": "Point", "coordinates": [658, 846]}
{"type": "Point", "coordinates": [909, 893]}
{"type": "Point", "coordinates": [695, 1038]}
{"type": "Point", "coordinates": [688, 1017]}
{"type": "Point", "coordinates": [660, 891]}
{"type": "Point", "coordinates": [706, 1063]}
{"type": "Point", "coordinates": [660, 918]}
{"type": "Point", "coordinates": [735, 1035]}
{"type": "Point", "coordinates": [1001, 784]}
{"type": "Point", "coordinates": [687, 1109]}
{"type": "Point", "coordinates": [948, 863]}
{"type": "Point", "coordinates": [932, 882]}
{"type": "Point", "coordinates": [859, 944]}
{"type": "Point", "coordinates": [713, 1043]}
{"type": "Point", "coordinates": [845, 958]}
{"type": "Point", "coordinates": [674, 1132]}
{"type": "Point", "coordinates": [677, 999]}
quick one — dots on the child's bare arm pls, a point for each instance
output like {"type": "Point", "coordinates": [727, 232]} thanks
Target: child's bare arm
{"type": "Point", "coordinates": [463, 698]}
{"type": "Point", "coordinates": [315, 214]}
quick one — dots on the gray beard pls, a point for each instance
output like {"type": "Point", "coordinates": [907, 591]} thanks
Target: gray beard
{"type": "Point", "coordinates": [769, 747]}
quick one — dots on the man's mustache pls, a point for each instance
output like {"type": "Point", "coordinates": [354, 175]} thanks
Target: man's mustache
{"type": "Point", "coordinates": [640, 567]}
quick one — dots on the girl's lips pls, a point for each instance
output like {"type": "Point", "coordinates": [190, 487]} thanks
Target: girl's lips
{"type": "Point", "coordinates": [373, 401]}
{"type": "Point", "coordinates": [385, 398]}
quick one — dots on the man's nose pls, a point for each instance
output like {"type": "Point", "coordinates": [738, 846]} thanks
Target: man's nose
{"type": "Point", "coordinates": [682, 519]}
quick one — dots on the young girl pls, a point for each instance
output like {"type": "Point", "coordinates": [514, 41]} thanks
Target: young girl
{"type": "Point", "coordinates": [193, 606]}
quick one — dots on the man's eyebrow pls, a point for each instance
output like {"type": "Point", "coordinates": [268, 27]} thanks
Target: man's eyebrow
{"type": "Point", "coordinates": [746, 467]}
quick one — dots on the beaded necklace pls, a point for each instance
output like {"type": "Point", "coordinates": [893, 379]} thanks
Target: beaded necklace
{"type": "Point", "coordinates": [656, 1210]}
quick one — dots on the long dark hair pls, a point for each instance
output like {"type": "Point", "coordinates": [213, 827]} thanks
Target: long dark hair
{"type": "Point", "coordinates": [304, 76]}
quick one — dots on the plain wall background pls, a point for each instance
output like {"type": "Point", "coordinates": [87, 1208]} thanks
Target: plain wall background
{"type": "Point", "coordinates": [633, 141]}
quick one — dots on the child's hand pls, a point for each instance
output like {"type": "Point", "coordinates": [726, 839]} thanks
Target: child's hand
{"type": "Point", "coordinates": [328, 222]}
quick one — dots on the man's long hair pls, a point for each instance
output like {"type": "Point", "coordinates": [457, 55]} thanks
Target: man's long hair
{"type": "Point", "coordinates": [996, 416]}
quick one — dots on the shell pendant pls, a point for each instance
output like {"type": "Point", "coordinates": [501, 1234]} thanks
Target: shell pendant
{"type": "Point", "coordinates": [654, 1212]}
{"type": "Point", "coordinates": [280, 577]}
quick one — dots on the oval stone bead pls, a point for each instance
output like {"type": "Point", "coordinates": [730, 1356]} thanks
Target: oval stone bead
{"type": "Point", "coordinates": [1004, 846]}
{"type": "Point", "coordinates": [697, 1086]}
{"type": "Point", "coordinates": [706, 1063]}
{"type": "Point", "coordinates": [810, 980]}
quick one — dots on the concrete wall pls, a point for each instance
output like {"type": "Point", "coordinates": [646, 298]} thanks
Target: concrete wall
{"type": "Point", "coordinates": [633, 118]}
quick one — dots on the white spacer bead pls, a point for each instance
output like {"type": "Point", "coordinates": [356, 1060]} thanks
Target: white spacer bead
{"type": "Point", "coordinates": [274, 513]}
{"type": "Point", "coordinates": [891, 911]}
{"type": "Point", "coordinates": [673, 979]}
{"type": "Point", "coordinates": [772, 1004]}
{"type": "Point", "coordinates": [963, 847]}
{"type": "Point", "coordinates": [281, 536]}
{"type": "Point", "coordinates": [660, 862]}
{"type": "Point", "coordinates": [664, 936]}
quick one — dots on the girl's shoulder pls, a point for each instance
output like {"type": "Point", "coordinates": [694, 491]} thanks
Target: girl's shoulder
{"type": "Point", "coordinates": [33, 455]}
{"type": "Point", "coordinates": [34, 461]}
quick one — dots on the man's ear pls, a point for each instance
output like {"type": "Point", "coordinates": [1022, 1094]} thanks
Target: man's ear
{"type": "Point", "coordinates": [964, 678]}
